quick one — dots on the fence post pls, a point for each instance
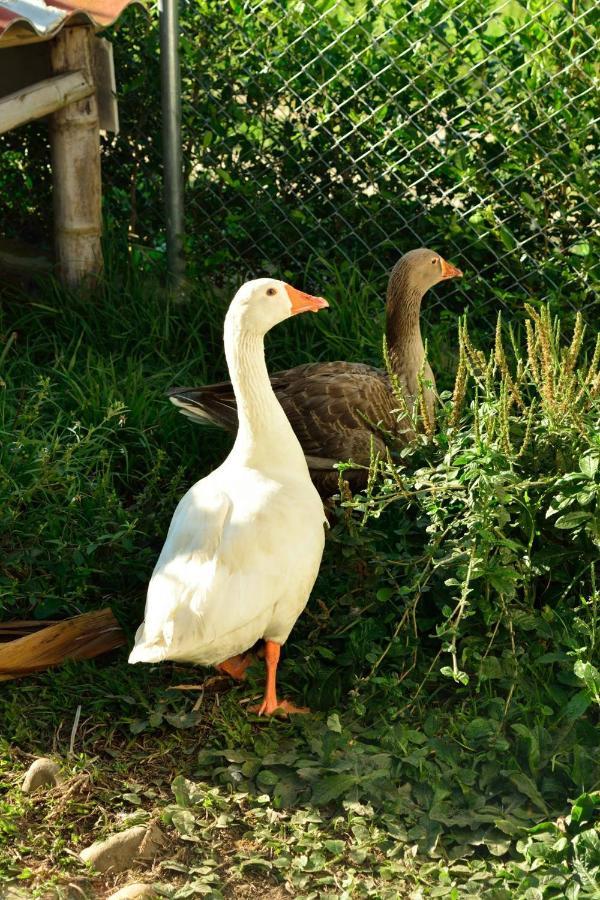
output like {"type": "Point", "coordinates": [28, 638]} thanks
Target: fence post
{"type": "Point", "coordinates": [75, 141]}
{"type": "Point", "coordinates": [171, 130]}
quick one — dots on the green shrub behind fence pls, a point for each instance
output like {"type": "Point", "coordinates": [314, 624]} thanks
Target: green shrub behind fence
{"type": "Point", "coordinates": [355, 129]}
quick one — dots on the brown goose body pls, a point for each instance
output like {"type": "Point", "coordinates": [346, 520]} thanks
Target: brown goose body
{"type": "Point", "coordinates": [338, 410]}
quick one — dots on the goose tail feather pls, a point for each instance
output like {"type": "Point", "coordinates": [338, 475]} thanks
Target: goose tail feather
{"type": "Point", "coordinates": [206, 406]}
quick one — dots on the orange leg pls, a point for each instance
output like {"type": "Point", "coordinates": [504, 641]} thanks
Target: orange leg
{"type": "Point", "coordinates": [236, 666]}
{"type": "Point", "coordinates": [270, 703]}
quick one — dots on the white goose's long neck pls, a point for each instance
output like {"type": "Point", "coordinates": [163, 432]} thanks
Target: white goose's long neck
{"type": "Point", "coordinates": [265, 438]}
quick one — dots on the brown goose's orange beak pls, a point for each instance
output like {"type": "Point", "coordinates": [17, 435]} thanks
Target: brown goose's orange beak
{"type": "Point", "coordinates": [450, 271]}
{"type": "Point", "coordinates": [302, 302]}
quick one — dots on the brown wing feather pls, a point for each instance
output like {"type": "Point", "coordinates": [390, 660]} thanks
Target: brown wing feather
{"type": "Point", "coordinates": [336, 410]}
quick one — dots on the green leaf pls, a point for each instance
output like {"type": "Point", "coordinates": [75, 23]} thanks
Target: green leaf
{"type": "Point", "coordinates": [490, 667]}
{"type": "Point", "coordinates": [527, 787]}
{"type": "Point", "coordinates": [572, 519]}
{"type": "Point", "coordinates": [334, 724]}
{"type": "Point", "coordinates": [507, 237]}
{"type": "Point", "coordinates": [590, 676]}
{"type": "Point", "coordinates": [459, 677]}
{"type": "Point", "coordinates": [589, 464]}
{"type": "Point", "coordinates": [581, 248]}
{"type": "Point", "coordinates": [256, 862]}
{"type": "Point", "coordinates": [331, 787]}
{"type": "Point", "coordinates": [267, 777]}
{"type": "Point", "coordinates": [530, 203]}
{"type": "Point", "coordinates": [479, 728]}
{"type": "Point", "coordinates": [183, 820]}
{"type": "Point", "coordinates": [181, 790]}
{"type": "Point", "coordinates": [334, 846]}
{"type": "Point", "coordinates": [586, 847]}
{"type": "Point", "coordinates": [584, 807]}
{"type": "Point", "coordinates": [577, 705]}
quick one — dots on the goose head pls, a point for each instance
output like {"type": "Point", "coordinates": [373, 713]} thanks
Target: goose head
{"type": "Point", "coordinates": [421, 269]}
{"type": "Point", "coordinates": [264, 302]}
{"type": "Point", "coordinates": [412, 276]}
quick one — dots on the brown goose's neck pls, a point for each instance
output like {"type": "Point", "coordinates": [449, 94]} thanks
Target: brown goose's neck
{"type": "Point", "coordinates": [403, 330]}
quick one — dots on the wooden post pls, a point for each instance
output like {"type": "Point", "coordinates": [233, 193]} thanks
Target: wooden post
{"type": "Point", "coordinates": [75, 140]}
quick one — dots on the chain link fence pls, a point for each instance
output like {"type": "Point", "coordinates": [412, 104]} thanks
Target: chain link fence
{"type": "Point", "coordinates": [342, 133]}
{"type": "Point", "coordinates": [353, 131]}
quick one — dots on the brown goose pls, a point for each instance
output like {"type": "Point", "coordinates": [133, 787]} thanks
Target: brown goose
{"type": "Point", "coordinates": [338, 408]}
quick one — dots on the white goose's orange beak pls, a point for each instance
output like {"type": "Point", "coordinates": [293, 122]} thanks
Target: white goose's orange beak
{"type": "Point", "coordinates": [302, 302]}
{"type": "Point", "coordinates": [450, 271]}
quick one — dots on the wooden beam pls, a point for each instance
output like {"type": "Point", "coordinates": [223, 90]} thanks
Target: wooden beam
{"type": "Point", "coordinates": [42, 99]}
{"type": "Point", "coordinates": [16, 256]}
{"type": "Point", "coordinates": [75, 140]}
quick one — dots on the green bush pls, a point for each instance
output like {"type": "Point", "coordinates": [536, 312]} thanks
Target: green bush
{"type": "Point", "coordinates": [502, 506]}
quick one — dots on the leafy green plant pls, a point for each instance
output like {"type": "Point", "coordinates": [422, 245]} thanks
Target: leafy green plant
{"type": "Point", "coordinates": [506, 495]}
{"type": "Point", "coordinates": [562, 858]}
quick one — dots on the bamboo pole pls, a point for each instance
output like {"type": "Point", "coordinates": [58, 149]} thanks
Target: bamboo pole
{"type": "Point", "coordinates": [42, 99]}
{"type": "Point", "coordinates": [75, 140]}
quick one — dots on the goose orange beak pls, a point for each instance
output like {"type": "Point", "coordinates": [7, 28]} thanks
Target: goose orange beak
{"type": "Point", "coordinates": [450, 271]}
{"type": "Point", "coordinates": [302, 302]}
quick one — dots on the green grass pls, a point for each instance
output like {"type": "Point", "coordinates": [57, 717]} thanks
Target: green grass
{"type": "Point", "coordinates": [90, 442]}
{"type": "Point", "coordinates": [92, 457]}
{"type": "Point", "coordinates": [401, 781]}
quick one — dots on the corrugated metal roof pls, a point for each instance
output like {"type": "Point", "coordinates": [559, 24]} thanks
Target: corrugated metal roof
{"type": "Point", "coordinates": [25, 21]}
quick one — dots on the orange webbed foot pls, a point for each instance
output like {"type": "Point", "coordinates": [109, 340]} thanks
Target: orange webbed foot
{"type": "Point", "coordinates": [279, 707]}
{"type": "Point", "coordinates": [236, 666]}
{"type": "Point", "coordinates": [271, 705]}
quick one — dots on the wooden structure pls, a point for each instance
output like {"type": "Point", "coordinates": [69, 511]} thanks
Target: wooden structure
{"type": "Point", "coordinates": [53, 65]}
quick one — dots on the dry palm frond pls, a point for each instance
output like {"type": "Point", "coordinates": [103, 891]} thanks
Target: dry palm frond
{"type": "Point", "coordinates": [81, 637]}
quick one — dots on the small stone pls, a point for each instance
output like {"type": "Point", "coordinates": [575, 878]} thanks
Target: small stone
{"type": "Point", "coordinates": [120, 851]}
{"type": "Point", "coordinates": [40, 773]}
{"type": "Point", "coordinates": [135, 891]}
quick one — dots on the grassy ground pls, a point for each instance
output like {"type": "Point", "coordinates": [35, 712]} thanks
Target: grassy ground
{"type": "Point", "coordinates": [390, 789]}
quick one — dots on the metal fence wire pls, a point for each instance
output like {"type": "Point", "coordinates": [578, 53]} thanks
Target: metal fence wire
{"type": "Point", "coordinates": [353, 131]}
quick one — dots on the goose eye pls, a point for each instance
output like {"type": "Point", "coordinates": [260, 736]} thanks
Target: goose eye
{"type": "Point", "coordinates": [271, 292]}
{"type": "Point", "coordinates": [434, 261]}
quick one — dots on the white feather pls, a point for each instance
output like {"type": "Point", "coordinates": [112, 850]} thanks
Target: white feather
{"type": "Point", "coordinates": [245, 543]}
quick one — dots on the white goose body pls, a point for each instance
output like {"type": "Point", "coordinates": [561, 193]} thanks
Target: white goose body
{"type": "Point", "coordinates": [245, 543]}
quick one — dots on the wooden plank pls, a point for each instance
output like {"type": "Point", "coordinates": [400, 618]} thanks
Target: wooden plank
{"type": "Point", "coordinates": [75, 140]}
{"type": "Point", "coordinates": [42, 99]}
{"type": "Point", "coordinates": [106, 85]}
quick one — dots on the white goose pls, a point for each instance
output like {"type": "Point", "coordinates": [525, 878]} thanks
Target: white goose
{"type": "Point", "coordinates": [245, 543]}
